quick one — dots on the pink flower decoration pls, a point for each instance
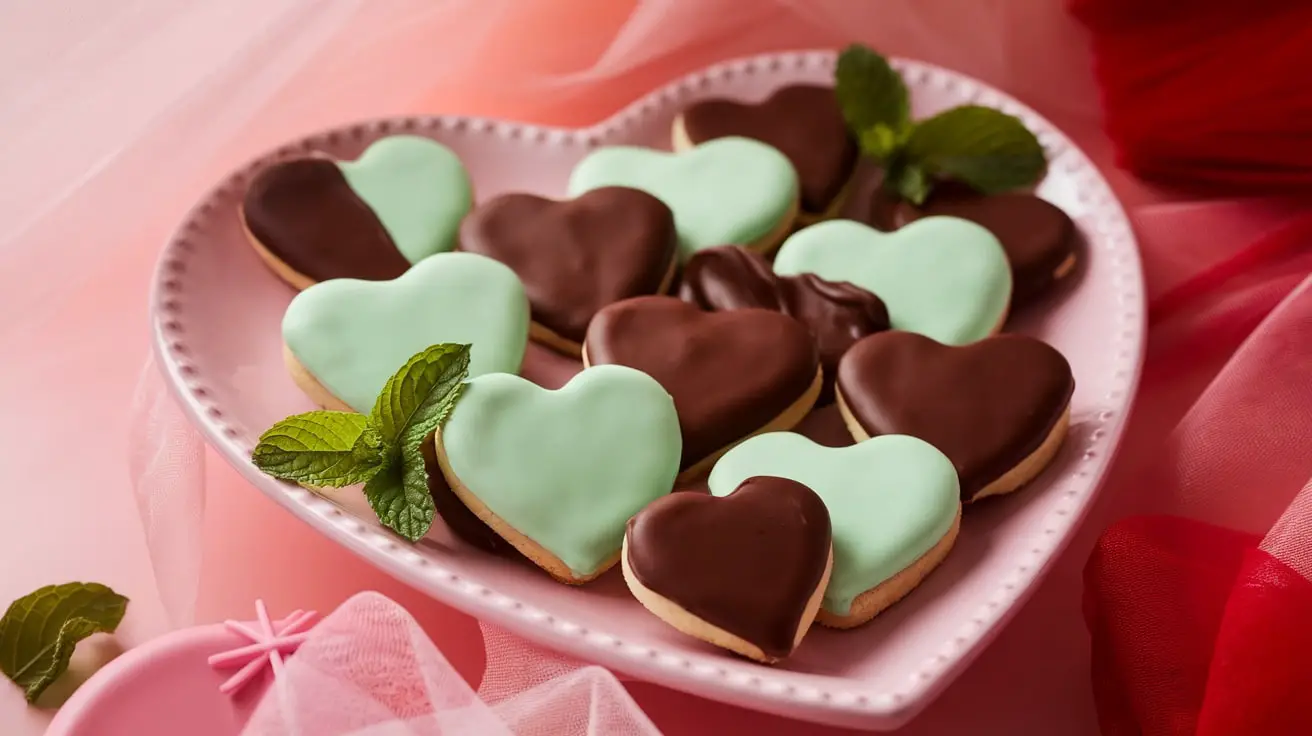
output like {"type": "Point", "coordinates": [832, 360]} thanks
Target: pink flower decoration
{"type": "Point", "coordinates": [269, 642]}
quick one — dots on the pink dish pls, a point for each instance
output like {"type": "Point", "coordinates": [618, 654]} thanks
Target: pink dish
{"type": "Point", "coordinates": [216, 312]}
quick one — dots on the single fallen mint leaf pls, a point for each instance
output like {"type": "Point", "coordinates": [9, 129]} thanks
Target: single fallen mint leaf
{"type": "Point", "coordinates": [40, 630]}
{"type": "Point", "coordinates": [984, 148]}
{"type": "Point", "coordinates": [321, 448]}
{"type": "Point", "coordinates": [873, 99]}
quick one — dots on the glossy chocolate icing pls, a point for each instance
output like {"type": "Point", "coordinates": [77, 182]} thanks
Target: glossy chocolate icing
{"type": "Point", "coordinates": [730, 373]}
{"type": "Point", "coordinates": [803, 122]}
{"type": "Point", "coordinates": [837, 313]}
{"type": "Point", "coordinates": [1037, 235]}
{"type": "Point", "coordinates": [868, 202]}
{"type": "Point", "coordinates": [462, 522]}
{"type": "Point", "coordinates": [987, 405]}
{"type": "Point", "coordinates": [305, 214]}
{"type": "Point", "coordinates": [579, 255]}
{"type": "Point", "coordinates": [747, 563]}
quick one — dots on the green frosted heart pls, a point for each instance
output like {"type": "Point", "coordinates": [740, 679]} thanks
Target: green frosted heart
{"type": "Point", "coordinates": [943, 277]}
{"type": "Point", "coordinates": [417, 187]}
{"type": "Point", "coordinates": [890, 500]}
{"type": "Point", "coordinates": [566, 468]}
{"type": "Point", "coordinates": [728, 190]}
{"type": "Point", "coordinates": [353, 335]}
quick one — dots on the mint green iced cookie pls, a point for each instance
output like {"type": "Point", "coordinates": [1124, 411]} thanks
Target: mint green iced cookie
{"type": "Point", "coordinates": [891, 499]}
{"type": "Point", "coordinates": [559, 473]}
{"type": "Point", "coordinates": [352, 335]}
{"type": "Point", "coordinates": [943, 277]}
{"type": "Point", "coordinates": [728, 190]}
{"type": "Point", "coordinates": [417, 187]}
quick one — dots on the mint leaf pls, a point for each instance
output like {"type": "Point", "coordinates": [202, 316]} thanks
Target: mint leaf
{"type": "Point", "coordinates": [909, 181]}
{"type": "Point", "coordinates": [873, 99]}
{"type": "Point", "coordinates": [399, 496]}
{"type": "Point", "coordinates": [984, 148]}
{"type": "Point", "coordinates": [321, 448]}
{"type": "Point", "coordinates": [40, 630]}
{"type": "Point", "coordinates": [420, 395]}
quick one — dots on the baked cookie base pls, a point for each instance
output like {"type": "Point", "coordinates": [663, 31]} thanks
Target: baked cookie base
{"type": "Point", "coordinates": [692, 625]}
{"type": "Point", "coordinates": [527, 547]}
{"type": "Point", "coordinates": [310, 385]}
{"type": "Point", "coordinates": [872, 602]}
{"type": "Point", "coordinates": [294, 278]}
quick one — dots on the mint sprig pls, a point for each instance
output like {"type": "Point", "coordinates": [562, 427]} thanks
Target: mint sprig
{"type": "Point", "coordinates": [335, 449]}
{"type": "Point", "coordinates": [40, 630]}
{"type": "Point", "coordinates": [981, 147]}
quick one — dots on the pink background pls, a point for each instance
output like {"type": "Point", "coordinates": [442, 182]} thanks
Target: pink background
{"type": "Point", "coordinates": [68, 507]}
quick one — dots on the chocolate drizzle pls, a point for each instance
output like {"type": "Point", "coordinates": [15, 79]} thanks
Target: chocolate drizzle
{"type": "Point", "coordinates": [837, 313]}
{"type": "Point", "coordinates": [803, 122]}
{"type": "Point", "coordinates": [576, 256]}
{"type": "Point", "coordinates": [730, 373]}
{"type": "Point", "coordinates": [987, 405]}
{"type": "Point", "coordinates": [306, 215]}
{"type": "Point", "coordinates": [748, 563]}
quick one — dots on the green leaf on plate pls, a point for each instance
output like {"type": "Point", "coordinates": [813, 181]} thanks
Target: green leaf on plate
{"type": "Point", "coordinates": [40, 630]}
{"type": "Point", "coordinates": [873, 99]}
{"type": "Point", "coordinates": [321, 448]}
{"type": "Point", "coordinates": [984, 148]}
{"type": "Point", "coordinates": [420, 395]}
{"type": "Point", "coordinates": [399, 496]}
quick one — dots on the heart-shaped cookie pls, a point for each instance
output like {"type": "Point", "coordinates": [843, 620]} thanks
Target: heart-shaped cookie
{"type": "Point", "coordinates": [804, 122]}
{"type": "Point", "coordinates": [745, 572]}
{"type": "Point", "coordinates": [559, 473]}
{"type": "Point", "coordinates": [315, 219]}
{"type": "Point", "coordinates": [577, 256]}
{"type": "Point", "coordinates": [732, 374]}
{"type": "Point", "coordinates": [998, 408]}
{"type": "Point", "coordinates": [344, 338]}
{"type": "Point", "coordinates": [1037, 236]}
{"type": "Point", "coordinates": [729, 190]}
{"type": "Point", "coordinates": [837, 313]}
{"type": "Point", "coordinates": [943, 277]}
{"type": "Point", "coordinates": [892, 500]}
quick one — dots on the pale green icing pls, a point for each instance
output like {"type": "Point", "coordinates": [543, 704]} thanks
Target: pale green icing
{"type": "Point", "coordinates": [890, 500]}
{"type": "Point", "coordinates": [417, 187]}
{"type": "Point", "coordinates": [728, 190]}
{"type": "Point", "coordinates": [353, 335]}
{"type": "Point", "coordinates": [567, 468]}
{"type": "Point", "coordinates": [943, 277]}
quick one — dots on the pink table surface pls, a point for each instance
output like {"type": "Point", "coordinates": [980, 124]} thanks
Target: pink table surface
{"type": "Point", "coordinates": [76, 519]}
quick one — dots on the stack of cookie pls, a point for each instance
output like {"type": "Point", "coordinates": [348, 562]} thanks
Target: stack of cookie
{"type": "Point", "coordinates": [713, 296]}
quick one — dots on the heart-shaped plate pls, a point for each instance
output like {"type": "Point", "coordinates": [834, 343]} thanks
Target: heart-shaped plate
{"type": "Point", "coordinates": [221, 350]}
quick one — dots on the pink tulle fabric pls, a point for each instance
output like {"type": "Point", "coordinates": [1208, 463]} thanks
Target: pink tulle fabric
{"type": "Point", "coordinates": [146, 104]}
{"type": "Point", "coordinates": [368, 669]}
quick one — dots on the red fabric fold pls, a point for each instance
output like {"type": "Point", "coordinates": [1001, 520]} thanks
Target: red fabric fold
{"type": "Point", "coordinates": [1196, 631]}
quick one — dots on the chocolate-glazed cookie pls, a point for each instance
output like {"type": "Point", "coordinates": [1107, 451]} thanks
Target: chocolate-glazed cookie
{"type": "Point", "coordinates": [1038, 236]}
{"type": "Point", "coordinates": [731, 374]}
{"type": "Point", "coordinates": [303, 214]}
{"type": "Point", "coordinates": [576, 256]}
{"type": "Point", "coordinates": [804, 122]}
{"type": "Point", "coordinates": [998, 408]}
{"type": "Point", "coordinates": [837, 313]}
{"type": "Point", "coordinates": [750, 564]}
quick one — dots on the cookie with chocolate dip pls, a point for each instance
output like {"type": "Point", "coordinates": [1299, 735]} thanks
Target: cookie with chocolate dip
{"type": "Point", "coordinates": [803, 121]}
{"type": "Point", "coordinates": [837, 313]}
{"type": "Point", "coordinates": [732, 374]}
{"type": "Point", "coordinates": [998, 408]}
{"type": "Point", "coordinates": [578, 255]}
{"type": "Point", "coordinates": [314, 219]}
{"type": "Point", "coordinates": [745, 572]}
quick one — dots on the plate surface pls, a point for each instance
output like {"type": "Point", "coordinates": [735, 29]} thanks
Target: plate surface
{"type": "Point", "coordinates": [216, 312]}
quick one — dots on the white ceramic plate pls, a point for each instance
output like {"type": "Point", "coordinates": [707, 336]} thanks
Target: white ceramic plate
{"type": "Point", "coordinates": [216, 312]}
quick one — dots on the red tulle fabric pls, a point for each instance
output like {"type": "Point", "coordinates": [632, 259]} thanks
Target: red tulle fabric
{"type": "Point", "coordinates": [1207, 93]}
{"type": "Point", "coordinates": [1197, 628]}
